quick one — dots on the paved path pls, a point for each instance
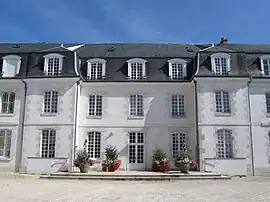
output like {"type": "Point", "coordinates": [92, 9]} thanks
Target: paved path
{"type": "Point", "coordinates": [237, 190]}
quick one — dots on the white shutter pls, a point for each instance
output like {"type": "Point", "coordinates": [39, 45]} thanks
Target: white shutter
{"type": "Point", "coordinates": [103, 69]}
{"type": "Point", "coordinates": [88, 69]}
{"type": "Point", "coordinates": [129, 69]}
{"type": "Point", "coordinates": [60, 64]}
{"type": "Point", "coordinates": [144, 69]}
{"type": "Point", "coordinates": [46, 65]}
{"type": "Point", "coordinates": [185, 69]}
{"type": "Point", "coordinates": [229, 64]}
{"type": "Point", "coordinates": [213, 65]}
{"type": "Point", "coordinates": [170, 69]}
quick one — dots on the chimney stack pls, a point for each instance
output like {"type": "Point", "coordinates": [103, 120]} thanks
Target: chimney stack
{"type": "Point", "coordinates": [223, 40]}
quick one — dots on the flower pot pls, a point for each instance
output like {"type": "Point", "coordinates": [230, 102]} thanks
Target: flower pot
{"type": "Point", "coordinates": [104, 167]}
{"type": "Point", "coordinates": [114, 166]}
{"type": "Point", "coordinates": [84, 168]}
{"type": "Point", "coordinates": [161, 166]}
{"type": "Point", "coordinates": [184, 168]}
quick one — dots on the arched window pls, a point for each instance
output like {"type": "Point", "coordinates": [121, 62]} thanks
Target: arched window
{"type": "Point", "coordinates": [136, 68]}
{"type": "Point", "coordinates": [96, 69]}
{"type": "Point", "coordinates": [177, 69]}
{"type": "Point", "coordinates": [221, 63]}
{"type": "Point", "coordinates": [53, 64]}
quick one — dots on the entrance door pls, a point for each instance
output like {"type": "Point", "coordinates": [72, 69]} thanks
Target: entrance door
{"type": "Point", "coordinates": [136, 151]}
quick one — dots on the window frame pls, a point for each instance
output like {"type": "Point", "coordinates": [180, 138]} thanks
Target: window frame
{"type": "Point", "coordinates": [46, 63]}
{"type": "Point", "coordinates": [96, 106]}
{"type": "Point", "coordinates": [50, 112]}
{"type": "Point", "coordinates": [51, 132]}
{"type": "Point", "coordinates": [227, 57]}
{"type": "Point", "coordinates": [262, 58]}
{"type": "Point", "coordinates": [96, 61]}
{"type": "Point", "coordinates": [180, 135]}
{"type": "Point", "coordinates": [1, 104]}
{"type": "Point", "coordinates": [180, 104]}
{"type": "Point", "coordinates": [222, 104]}
{"type": "Point", "coordinates": [267, 105]}
{"type": "Point", "coordinates": [17, 67]}
{"type": "Point", "coordinates": [223, 146]}
{"type": "Point", "coordinates": [138, 112]}
{"type": "Point", "coordinates": [177, 61]}
{"type": "Point", "coordinates": [7, 132]}
{"type": "Point", "coordinates": [94, 145]}
{"type": "Point", "coordinates": [136, 61]}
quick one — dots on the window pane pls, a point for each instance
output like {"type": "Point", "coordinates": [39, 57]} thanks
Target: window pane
{"type": "Point", "coordinates": [136, 71]}
{"type": "Point", "coordinates": [48, 143]}
{"type": "Point", "coordinates": [177, 71]}
{"type": "Point", "coordinates": [94, 144]}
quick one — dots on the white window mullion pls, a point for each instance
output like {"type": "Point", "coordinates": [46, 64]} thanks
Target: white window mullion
{"type": "Point", "coordinates": [89, 65]}
{"type": "Point", "coordinates": [144, 70]}
{"type": "Point", "coordinates": [95, 104]}
{"type": "Point", "coordinates": [129, 70]}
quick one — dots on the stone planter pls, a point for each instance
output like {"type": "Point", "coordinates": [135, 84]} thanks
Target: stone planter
{"type": "Point", "coordinates": [84, 169]}
{"type": "Point", "coordinates": [183, 168]}
{"type": "Point", "coordinates": [111, 167]}
{"type": "Point", "coordinates": [164, 166]}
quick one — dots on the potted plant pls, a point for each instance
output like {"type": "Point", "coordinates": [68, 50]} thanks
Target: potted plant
{"type": "Point", "coordinates": [183, 161]}
{"type": "Point", "coordinates": [111, 162]}
{"type": "Point", "coordinates": [82, 160]}
{"type": "Point", "coordinates": [160, 162]}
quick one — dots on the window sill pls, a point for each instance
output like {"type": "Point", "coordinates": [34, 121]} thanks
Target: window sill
{"type": "Point", "coordinates": [136, 117]}
{"type": "Point", "coordinates": [3, 159]}
{"type": "Point", "coordinates": [223, 114]}
{"type": "Point", "coordinates": [48, 114]}
{"type": "Point", "coordinates": [267, 114]}
{"type": "Point", "coordinates": [234, 158]}
{"type": "Point", "coordinates": [6, 115]}
{"type": "Point", "coordinates": [38, 157]}
{"type": "Point", "coordinates": [94, 117]}
{"type": "Point", "coordinates": [178, 116]}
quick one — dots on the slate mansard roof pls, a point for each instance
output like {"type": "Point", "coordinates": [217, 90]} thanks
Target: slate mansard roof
{"type": "Point", "coordinates": [244, 58]}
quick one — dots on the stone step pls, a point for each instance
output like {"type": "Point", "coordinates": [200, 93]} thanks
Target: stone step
{"type": "Point", "coordinates": [133, 178]}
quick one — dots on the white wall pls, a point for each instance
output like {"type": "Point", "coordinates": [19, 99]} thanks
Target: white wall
{"type": "Point", "coordinates": [157, 123]}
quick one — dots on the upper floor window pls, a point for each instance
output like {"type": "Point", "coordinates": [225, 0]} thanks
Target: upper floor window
{"type": "Point", "coordinates": [265, 65]}
{"type": "Point", "coordinates": [11, 65]}
{"type": "Point", "coordinates": [53, 64]}
{"type": "Point", "coordinates": [95, 105]}
{"type": "Point", "coordinates": [224, 143]}
{"type": "Point", "coordinates": [178, 105]}
{"type": "Point", "coordinates": [50, 102]}
{"type": "Point", "coordinates": [267, 102]}
{"type": "Point", "coordinates": [136, 68]}
{"type": "Point", "coordinates": [177, 69]}
{"type": "Point", "coordinates": [136, 105]}
{"type": "Point", "coordinates": [48, 138]}
{"type": "Point", "coordinates": [221, 63]}
{"type": "Point", "coordinates": [7, 103]}
{"type": "Point", "coordinates": [222, 102]}
{"type": "Point", "coordinates": [96, 69]}
{"type": "Point", "coordinates": [5, 143]}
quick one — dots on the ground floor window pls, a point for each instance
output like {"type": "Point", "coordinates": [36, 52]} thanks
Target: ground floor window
{"type": "Point", "coordinates": [136, 148]}
{"type": "Point", "coordinates": [224, 143]}
{"type": "Point", "coordinates": [48, 143]}
{"type": "Point", "coordinates": [178, 142]}
{"type": "Point", "coordinates": [5, 143]}
{"type": "Point", "coordinates": [94, 144]}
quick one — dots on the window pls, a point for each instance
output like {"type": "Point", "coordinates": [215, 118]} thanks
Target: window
{"type": "Point", "coordinates": [268, 148]}
{"type": "Point", "coordinates": [178, 105]}
{"type": "Point", "coordinates": [221, 63]}
{"type": "Point", "coordinates": [53, 64]}
{"type": "Point", "coordinates": [265, 65]}
{"type": "Point", "coordinates": [136, 105]}
{"type": "Point", "coordinates": [48, 143]}
{"type": "Point", "coordinates": [224, 143]}
{"type": "Point", "coordinates": [96, 69]}
{"type": "Point", "coordinates": [136, 68]}
{"type": "Point", "coordinates": [222, 102]}
{"type": "Point", "coordinates": [50, 102]}
{"type": "Point", "coordinates": [267, 102]}
{"type": "Point", "coordinates": [177, 69]}
{"type": "Point", "coordinates": [178, 142]}
{"type": "Point", "coordinates": [11, 65]}
{"type": "Point", "coordinates": [5, 143]}
{"type": "Point", "coordinates": [94, 144]}
{"type": "Point", "coordinates": [95, 105]}
{"type": "Point", "coordinates": [8, 103]}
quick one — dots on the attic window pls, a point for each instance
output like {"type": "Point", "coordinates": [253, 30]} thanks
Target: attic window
{"type": "Point", "coordinates": [96, 69]}
{"type": "Point", "coordinates": [177, 69]}
{"type": "Point", "coordinates": [221, 63]}
{"type": "Point", "coordinates": [136, 68]}
{"type": "Point", "coordinates": [265, 65]}
{"type": "Point", "coordinates": [11, 65]}
{"type": "Point", "coordinates": [53, 64]}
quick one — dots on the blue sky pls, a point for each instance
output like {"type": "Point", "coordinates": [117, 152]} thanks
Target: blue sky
{"type": "Point", "coordinates": [173, 21]}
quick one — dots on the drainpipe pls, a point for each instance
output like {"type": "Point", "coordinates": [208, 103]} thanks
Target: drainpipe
{"type": "Point", "coordinates": [21, 128]}
{"type": "Point", "coordinates": [250, 125]}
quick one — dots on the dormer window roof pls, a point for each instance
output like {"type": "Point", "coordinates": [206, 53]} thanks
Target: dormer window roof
{"type": "Point", "coordinates": [177, 69]}
{"type": "Point", "coordinates": [136, 68]}
{"type": "Point", "coordinates": [221, 63]}
{"type": "Point", "coordinates": [53, 64]}
{"type": "Point", "coordinates": [96, 69]}
{"type": "Point", "coordinates": [11, 65]}
{"type": "Point", "coordinates": [265, 65]}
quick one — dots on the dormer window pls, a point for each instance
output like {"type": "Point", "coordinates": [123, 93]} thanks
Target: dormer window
{"type": "Point", "coordinates": [53, 64]}
{"type": "Point", "coordinates": [177, 69]}
{"type": "Point", "coordinates": [11, 65]}
{"type": "Point", "coordinates": [96, 69]}
{"type": "Point", "coordinates": [221, 63]}
{"type": "Point", "coordinates": [136, 68]}
{"type": "Point", "coordinates": [265, 65]}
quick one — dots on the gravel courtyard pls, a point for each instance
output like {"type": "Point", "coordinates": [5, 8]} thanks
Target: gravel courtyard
{"type": "Point", "coordinates": [30, 189]}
